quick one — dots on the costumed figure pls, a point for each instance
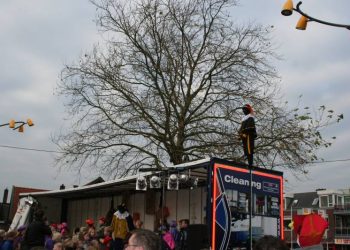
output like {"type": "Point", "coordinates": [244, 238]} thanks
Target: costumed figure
{"type": "Point", "coordinates": [122, 224]}
{"type": "Point", "coordinates": [247, 133]}
{"type": "Point", "coordinates": [310, 230]}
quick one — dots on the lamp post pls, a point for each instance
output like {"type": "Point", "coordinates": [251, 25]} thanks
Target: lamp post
{"type": "Point", "coordinates": [288, 8]}
{"type": "Point", "coordinates": [250, 207]}
{"type": "Point", "coordinates": [291, 219]}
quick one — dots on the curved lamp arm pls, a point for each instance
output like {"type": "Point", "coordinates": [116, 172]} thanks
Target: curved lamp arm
{"type": "Point", "coordinates": [297, 9]}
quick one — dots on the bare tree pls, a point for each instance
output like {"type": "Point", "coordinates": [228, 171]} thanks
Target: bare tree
{"type": "Point", "coordinates": [167, 86]}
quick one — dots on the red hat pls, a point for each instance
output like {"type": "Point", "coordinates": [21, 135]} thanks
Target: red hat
{"type": "Point", "coordinates": [107, 239]}
{"type": "Point", "coordinates": [250, 108]}
{"type": "Point", "coordinates": [90, 221]}
{"type": "Point", "coordinates": [103, 219]}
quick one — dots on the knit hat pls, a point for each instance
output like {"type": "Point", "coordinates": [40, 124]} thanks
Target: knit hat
{"type": "Point", "coordinates": [89, 221]}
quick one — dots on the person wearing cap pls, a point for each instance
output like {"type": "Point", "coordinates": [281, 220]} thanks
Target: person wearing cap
{"type": "Point", "coordinates": [90, 223]}
{"type": "Point", "coordinates": [247, 133]}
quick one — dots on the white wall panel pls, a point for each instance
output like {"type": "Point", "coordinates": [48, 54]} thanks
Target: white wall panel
{"type": "Point", "coordinates": [195, 206]}
{"type": "Point", "coordinates": [183, 209]}
{"type": "Point", "coordinates": [171, 203]}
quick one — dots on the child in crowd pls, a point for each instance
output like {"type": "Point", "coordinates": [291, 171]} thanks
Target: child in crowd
{"type": "Point", "coordinates": [90, 223]}
{"type": "Point", "coordinates": [105, 243]}
{"type": "Point", "coordinates": [138, 224]}
{"type": "Point", "coordinates": [168, 242]}
{"type": "Point", "coordinates": [92, 234]}
{"type": "Point", "coordinates": [58, 246]}
{"type": "Point", "coordinates": [173, 230]}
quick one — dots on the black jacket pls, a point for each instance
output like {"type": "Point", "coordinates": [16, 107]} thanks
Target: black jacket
{"type": "Point", "coordinates": [35, 234]}
{"type": "Point", "coordinates": [248, 134]}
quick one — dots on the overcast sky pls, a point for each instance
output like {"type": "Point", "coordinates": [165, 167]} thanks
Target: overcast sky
{"type": "Point", "coordinates": [38, 37]}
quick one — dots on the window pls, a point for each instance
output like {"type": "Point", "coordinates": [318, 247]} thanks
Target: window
{"type": "Point", "coordinates": [340, 200]}
{"type": "Point", "coordinates": [330, 200]}
{"type": "Point", "coordinates": [286, 202]}
{"type": "Point", "coordinates": [327, 200]}
{"type": "Point", "coordinates": [346, 200]}
{"type": "Point", "coordinates": [324, 201]}
{"type": "Point", "coordinates": [243, 202]}
{"type": "Point", "coordinates": [231, 197]}
{"type": "Point", "coordinates": [260, 204]}
{"type": "Point", "coordinates": [315, 201]}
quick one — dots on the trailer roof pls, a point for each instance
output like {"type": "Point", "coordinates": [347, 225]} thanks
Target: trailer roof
{"type": "Point", "coordinates": [194, 168]}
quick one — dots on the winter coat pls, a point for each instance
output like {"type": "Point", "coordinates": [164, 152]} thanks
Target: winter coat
{"type": "Point", "coordinates": [169, 240]}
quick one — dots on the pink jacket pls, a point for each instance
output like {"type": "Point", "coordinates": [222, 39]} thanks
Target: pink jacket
{"type": "Point", "coordinates": [168, 238]}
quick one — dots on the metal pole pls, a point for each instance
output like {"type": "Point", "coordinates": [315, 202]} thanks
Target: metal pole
{"type": "Point", "coordinates": [291, 230]}
{"type": "Point", "coordinates": [250, 209]}
{"type": "Point", "coordinates": [163, 198]}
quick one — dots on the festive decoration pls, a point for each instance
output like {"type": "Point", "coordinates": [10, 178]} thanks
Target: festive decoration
{"type": "Point", "coordinates": [309, 228]}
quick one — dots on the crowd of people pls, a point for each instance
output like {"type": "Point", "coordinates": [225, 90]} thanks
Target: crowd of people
{"type": "Point", "coordinates": [40, 235]}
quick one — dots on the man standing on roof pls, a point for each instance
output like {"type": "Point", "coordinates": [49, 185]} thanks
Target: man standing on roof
{"type": "Point", "coordinates": [247, 133]}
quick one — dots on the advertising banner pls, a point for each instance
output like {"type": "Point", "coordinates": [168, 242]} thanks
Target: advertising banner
{"type": "Point", "coordinates": [230, 205]}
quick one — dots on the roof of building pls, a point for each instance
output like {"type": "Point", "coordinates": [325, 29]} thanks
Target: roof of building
{"type": "Point", "coordinates": [197, 169]}
{"type": "Point", "coordinates": [96, 181]}
{"type": "Point", "coordinates": [306, 200]}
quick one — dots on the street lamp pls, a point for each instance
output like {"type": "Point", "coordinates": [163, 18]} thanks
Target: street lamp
{"type": "Point", "coordinates": [294, 202]}
{"type": "Point", "coordinates": [18, 124]}
{"type": "Point", "coordinates": [288, 8]}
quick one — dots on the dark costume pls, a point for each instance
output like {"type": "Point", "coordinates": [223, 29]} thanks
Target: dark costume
{"type": "Point", "coordinates": [247, 133]}
{"type": "Point", "coordinates": [181, 243]}
{"type": "Point", "coordinates": [36, 232]}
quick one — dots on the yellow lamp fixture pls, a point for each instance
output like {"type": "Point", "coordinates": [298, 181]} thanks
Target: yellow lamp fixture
{"type": "Point", "coordinates": [21, 129]}
{"type": "Point", "coordinates": [12, 123]}
{"type": "Point", "coordinates": [30, 122]}
{"type": "Point", "coordinates": [288, 9]}
{"type": "Point", "coordinates": [302, 23]}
